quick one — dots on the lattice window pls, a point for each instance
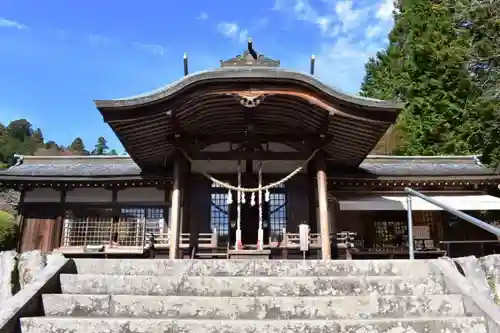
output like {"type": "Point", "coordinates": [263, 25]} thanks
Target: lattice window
{"type": "Point", "coordinates": [87, 226]}
{"type": "Point", "coordinates": [277, 214]}
{"type": "Point", "coordinates": [154, 218]}
{"type": "Point", "coordinates": [386, 231]}
{"type": "Point", "coordinates": [84, 231]}
{"type": "Point", "coordinates": [219, 213]}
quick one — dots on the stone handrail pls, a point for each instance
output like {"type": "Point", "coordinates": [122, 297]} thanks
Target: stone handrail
{"type": "Point", "coordinates": [476, 302]}
{"type": "Point", "coordinates": [28, 301]}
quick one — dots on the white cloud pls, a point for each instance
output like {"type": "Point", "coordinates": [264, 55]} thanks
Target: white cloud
{"type": "Point", "coordinates": [98, 39]}
{"type": "Point", "coordinates": [373, 31]}
{"type": "Point", "coordinates": [10, 24]}
{"type": "Point", "coordinates": [233, 31]}
{"type": "Point", "coordinates": [150, 48]}
{"type": "Point", "coordinates": [154, 49]}
{"type": "Point", "coordinates": [349, 17]}
{"type": "Point", "coordinates": [352, 31]}
{"type": "Point", "coordinates": [203, 16]}
{"type": "Point", "coordinates": [385, 10]}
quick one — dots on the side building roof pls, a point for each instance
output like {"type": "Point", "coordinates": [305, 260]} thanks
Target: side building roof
{"type": "Point", "coordinates": [122, 168]}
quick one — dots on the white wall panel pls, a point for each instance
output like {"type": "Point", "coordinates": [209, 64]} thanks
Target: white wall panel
{"type": "Point", "coordinates": [89, 195]}
{"type": "Point", "coordinates": [42, 195]}
{"type": "Point", "coordinates": [141, 194]}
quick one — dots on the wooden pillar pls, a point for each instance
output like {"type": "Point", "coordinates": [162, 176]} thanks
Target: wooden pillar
{"type": "Point", "coordinates": [175, 210]}
{"type": "Point", "coordinates": [323, 208]}
{"type": "Point", "coordinates": [313, 203]}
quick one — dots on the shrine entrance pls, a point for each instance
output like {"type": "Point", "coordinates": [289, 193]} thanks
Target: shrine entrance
{"type": "Point", "coordinates": [250, 210]}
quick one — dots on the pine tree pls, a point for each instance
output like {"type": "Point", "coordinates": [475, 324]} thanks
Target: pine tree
{"type": "Point", "coordinates": [481, 21]}
{"type": "Point", "coordinates": [37, 137]}
{"type": "Point", "coordinates": [101, 147]}
{"type": "Point", "coordinates": [77, 146]}
{"type": "Point", "coordinates": [424, 66]}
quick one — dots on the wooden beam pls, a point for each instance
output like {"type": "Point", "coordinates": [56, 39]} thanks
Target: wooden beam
{"type": "Point", "coordinates": [249, 155]}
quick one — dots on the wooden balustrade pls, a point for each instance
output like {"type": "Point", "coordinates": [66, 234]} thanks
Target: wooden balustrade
{"type": "Point", "coordinates": [291, 240]}
{"type": "Point", "coordinates": [204, 240]}
{"type": "Point", "coordinates": [127, 235]}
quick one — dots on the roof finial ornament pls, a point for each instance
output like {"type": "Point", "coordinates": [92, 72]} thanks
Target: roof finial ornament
{"type": "Point", "coordinates": [249, 58]}
{"type": "Point", "coordinates": [18, 159]}
{"type": "Point", "coordinates": [251, 50]}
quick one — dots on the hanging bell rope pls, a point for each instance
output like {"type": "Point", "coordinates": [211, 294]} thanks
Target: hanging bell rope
{"type": "Point", "coordinates": [260, 234]}
{"type": "Point", "coordinates": [253, 190]}
{"type": "Point", "coordinates": [260, 196]}
{"type": "Point", "coordinates": [238, 208]}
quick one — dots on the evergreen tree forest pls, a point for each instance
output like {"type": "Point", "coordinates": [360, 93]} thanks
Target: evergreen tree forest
{"type": "Point", "coordinates": [19, 137]}
{"type": "Point", "coordinates": [443, 62]}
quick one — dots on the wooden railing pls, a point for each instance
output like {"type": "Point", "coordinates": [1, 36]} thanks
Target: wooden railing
{"type": "Point", "coordinates": [291, 240]}
{"type": "Point", "coordinates": [102, 234]}
{"type": "Point", "coordinates": [204, 240]}
{"type": "Point", "coordinates": [127, 235]}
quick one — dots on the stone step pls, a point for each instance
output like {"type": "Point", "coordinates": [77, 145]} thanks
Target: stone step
{"type": "Point", "coordinates": [215, 267]}
{"type": "Point", "coordinates": [249, 286]}
{"type": "Point", "coordinates": [150, 267]}
{"type": "Point", "coordinates": [157, 325]}
{"type": "Point", "coordinates": [328, 308]}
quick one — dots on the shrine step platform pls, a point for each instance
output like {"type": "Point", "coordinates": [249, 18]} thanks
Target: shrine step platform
{"type": "Point", "coordinates": [249, 254]}
{"type": "Point", "coordinates": [226, 296]}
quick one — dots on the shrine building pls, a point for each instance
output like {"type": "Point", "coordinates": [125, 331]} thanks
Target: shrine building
{"type": "Point", "coordinates": [229, 162]}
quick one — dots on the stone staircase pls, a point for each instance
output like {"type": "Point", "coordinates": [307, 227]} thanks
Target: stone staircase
{"type": "Point", "coordinates": [197, 296]}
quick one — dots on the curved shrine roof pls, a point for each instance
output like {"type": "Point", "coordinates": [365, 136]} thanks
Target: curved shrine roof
{"type": "Point", "coordinates": [248, 97]}
{"type": "Point", "coordinates": [228, 74]}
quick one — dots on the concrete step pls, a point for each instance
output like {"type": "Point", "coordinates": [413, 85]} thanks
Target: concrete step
{"type": "Point", "coordinates": [328, 308]}
{"type": "Point", "coordinates": [157, 325]}
{"type": "Point", "coordinates": [215, 267]}
{"type": "Point", "coordinates": [250, 286]}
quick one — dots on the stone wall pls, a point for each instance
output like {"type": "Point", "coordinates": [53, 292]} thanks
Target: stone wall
{"type": "Point", "coordinates": [9, 200]}
{"type": "Point", "coordinates": [16, 271]}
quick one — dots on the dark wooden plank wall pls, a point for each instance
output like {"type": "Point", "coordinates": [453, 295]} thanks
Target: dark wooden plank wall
{"type": "Point", "coordinates": [41, 234]}
{"type": "Point", "coordinates": [200, 202]}
{"type": "Point", "coordinates": [298, 204]}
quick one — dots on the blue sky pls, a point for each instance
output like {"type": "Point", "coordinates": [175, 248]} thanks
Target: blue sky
{"type": "Point", "coordinates": [58, 57]}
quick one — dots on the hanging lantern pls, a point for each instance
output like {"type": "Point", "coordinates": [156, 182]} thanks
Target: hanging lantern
{"type": "Point", "coordinates": [229, 197]}
{"type": "Point", "coordinates": [267, 196]}
{"type": "Point", "coordinates": [252, 199]}
{"type": "Point", "coordinates": [243, 197]}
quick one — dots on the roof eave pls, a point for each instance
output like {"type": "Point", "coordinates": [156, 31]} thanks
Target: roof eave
{"type": "Point", "coordinates": [250, 74]}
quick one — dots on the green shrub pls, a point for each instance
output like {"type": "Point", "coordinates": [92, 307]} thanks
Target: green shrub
{"type": "Point", "coordinates": [9, 232]}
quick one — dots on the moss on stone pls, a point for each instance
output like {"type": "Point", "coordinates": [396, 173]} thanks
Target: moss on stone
{"type": "Point", "coordinates": [9, 232]}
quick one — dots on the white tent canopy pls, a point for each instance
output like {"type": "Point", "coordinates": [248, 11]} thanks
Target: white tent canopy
{"type": "Point", "coordinates": [459, 202]}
